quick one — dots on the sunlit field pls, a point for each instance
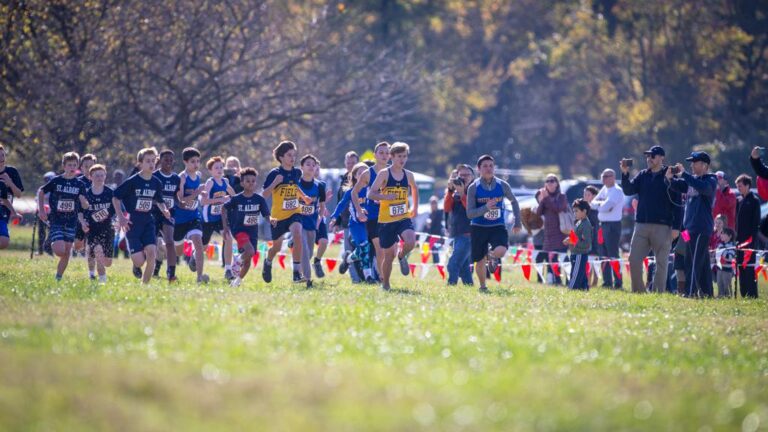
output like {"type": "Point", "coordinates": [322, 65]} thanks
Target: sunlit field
{"type": "Point", "coordinates": [121, 356]}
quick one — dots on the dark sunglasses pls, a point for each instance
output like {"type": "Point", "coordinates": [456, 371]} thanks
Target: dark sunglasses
{"type": "Point", "coordinates": [550, 181]}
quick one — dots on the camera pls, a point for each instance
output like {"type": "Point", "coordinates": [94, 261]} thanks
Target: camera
{"type": "Point", "coordinates": [627, 162]}
{"type": "Point", "coordinates": [458, 181]}
{"type": "Point", "coordinates": [675, 170]}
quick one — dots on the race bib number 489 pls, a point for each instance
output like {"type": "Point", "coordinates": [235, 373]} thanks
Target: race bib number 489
{"type": "Point", "coordinates": [397, 210]}
{"type": "Point", "coordinates": [493, 214]}
{"type": "Point", "coordinates": [251, 219]}
{"type": "Point", "coordinates": [307, 210]}
{"type": "Point", "coordinates": [66, 206]}
{"type": "Point", "coordinates": [168, 202]}
{"type": "Point", "coordinates": [143, 205]}
{"type": "Point", "coordinates": [216, 209]}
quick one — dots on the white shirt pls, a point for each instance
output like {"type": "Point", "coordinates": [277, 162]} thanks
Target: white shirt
{"type": "Point", "coordinates": [609, 204]}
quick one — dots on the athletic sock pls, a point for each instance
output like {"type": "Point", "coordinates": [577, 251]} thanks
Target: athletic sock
{"type": "Point", "coordinates": [91, 273]}
{"type": "Point", "coordinates": [228, 267]}
{"type": "Point", "coordinates": [297, 266]}
{"type": "Point", "coordinates": [316, 260]}
{"type": "Point", "coordinates": [171, 271]}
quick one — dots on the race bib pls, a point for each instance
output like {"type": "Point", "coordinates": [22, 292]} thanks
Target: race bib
{"type": "Point", "coordinates": [100, 216]}
{"type": "Point", "coordinates": [169, 202]}
{"type": "Point", "coordinates": [66, 206]}
{"type": "Point", "coordinates": [216, 209]}
{"type": "Point", "coordinates": [251, 219]}
{"type": "Point", "coordinates": [397, 210]}
{"type": "Point", "coordinates": [290, 204]}
{"type": "Point", "coordinates": [307, 210]}
{"type": "Point", "coordinates": [493, 214]}
{"type": "Point", "coordinates": [143, 205]}
{"type": "Point", "coordinates": [191, 206]}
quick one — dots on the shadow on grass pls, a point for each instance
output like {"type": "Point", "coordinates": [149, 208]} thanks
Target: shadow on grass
{"type": "Point", "coordinates": [405, 291]}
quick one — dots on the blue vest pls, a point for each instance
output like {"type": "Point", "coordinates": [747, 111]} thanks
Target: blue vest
{"type": "Point", "coordinates": [482, 196]}
{"type": "Point", "coordinates": [189, 212]}
{"type": "Point", "coordinates": [212, 212]}
{"type": "Point", "coordinates": [372, 206]}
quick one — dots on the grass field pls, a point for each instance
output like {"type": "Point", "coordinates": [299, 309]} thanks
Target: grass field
{"type": "Point", "coordinates": [77, 356]}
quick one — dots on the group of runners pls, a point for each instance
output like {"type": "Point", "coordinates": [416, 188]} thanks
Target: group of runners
{"type": "Point", "coordinates": [157, 207]}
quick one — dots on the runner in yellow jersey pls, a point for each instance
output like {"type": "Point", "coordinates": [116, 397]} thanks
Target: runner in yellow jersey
{"type": "Point", "coordinates": [395, 211]}
{"type": "Point", "coordinates": [282, 184]}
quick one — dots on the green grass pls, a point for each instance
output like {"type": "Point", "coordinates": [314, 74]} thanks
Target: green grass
{"type": "Point", "coordinates": [77, 356]}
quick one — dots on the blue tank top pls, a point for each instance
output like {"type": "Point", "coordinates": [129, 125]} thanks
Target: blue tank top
{"type": "Point", "coordinates": [212, 212]}
{"type": "Point", "coordinates": [482, 196]}
{"type": "Point", "coordinates": [309, 211]}
{"type": "Point", "coordinates": [370, 205]}
{"type": "Point", "coordinates": [191, 211]}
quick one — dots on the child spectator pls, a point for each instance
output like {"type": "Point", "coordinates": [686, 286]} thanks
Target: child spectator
{"type": "Point", "coordinates": [725, 274]}
{"type": "Point", "coordinates": [580, 243]}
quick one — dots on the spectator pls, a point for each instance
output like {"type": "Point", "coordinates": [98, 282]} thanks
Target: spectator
{"type": "Point", "coordinates": [725, 274]}
{"type": "Point", "coordinates": [698, 222]}
{"type": "Point", "coordinates": [553, 202]}
{"type": "Point", "coordinates": [609, 204]}
{"type": "Point", "coordinates": [747, 222]}
{"type": "Point", "coordinates": [118, 177]}
{"type": "Point", "coordinates": [580, 248]}
{"type": "Point", "coordinates": [654, 217]}
{"type": "Point", "coordinates": [350, 160]}
{"type": "Point", "coordinates": [455, 206]}
{"type": "Point", "coordinates": [725, 200]}
{"type": "Point", "coordinates": [589, 194]}
{"type": "Point", "coordinates": [232, 173]}
{"type": "Point", "coordinates": [435, 227]}
{"type": "Point", "coordinates": [720, 224]}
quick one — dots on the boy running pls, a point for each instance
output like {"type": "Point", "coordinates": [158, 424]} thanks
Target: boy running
{"type": "Point", "coordinates": [485, 209]}
{"type": "Point", "coordinates": [187, 215]}
{"type": "Point", "coordinates": [96, 222]}
{"type": "Point", "coordinates": [391, 190]}
{"type": "Point", "coordinates": [321, 240]}
{"type": "Point", "coordinates": [370, 214]}
{"type": "Point", "coordinates": [217, 192]}
{"type": "Point", "coordinates": [10, 186]}
{"type": "Point", "coordinates": [240, 219]}
{"type": "Point", "coordinates": [310, 212]}
{"type": "Point", "coordinates": [66, 199]}
{"type": "Point", "coordinates": [170, 181]}
{"type": "Point", "coordinates": [282, 184]}
{"type": "Point", "coordinates": [138, 195]}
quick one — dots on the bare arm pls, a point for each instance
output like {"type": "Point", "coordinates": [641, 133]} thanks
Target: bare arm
{"type": "Point", "coordinates": [361, 183]}
{"type": "Point", "coordinates": [205, 199]}
{"type": "Point", "coordinates": [374, 192]}
{"type": "Point", "coordinates": [414, 194]}
{"type": "Point", "coordinates": [513, 200]}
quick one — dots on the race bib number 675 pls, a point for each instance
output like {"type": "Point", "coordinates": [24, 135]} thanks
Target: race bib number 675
{"type": "Point", "coordinates": [397, 210]}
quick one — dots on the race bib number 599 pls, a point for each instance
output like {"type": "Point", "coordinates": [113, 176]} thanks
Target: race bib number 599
{"type": "Point", "coordinates": [143, 205]}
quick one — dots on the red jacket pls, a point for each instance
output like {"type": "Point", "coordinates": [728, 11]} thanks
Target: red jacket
{"type": "Point", "coordinates": [725, 204]}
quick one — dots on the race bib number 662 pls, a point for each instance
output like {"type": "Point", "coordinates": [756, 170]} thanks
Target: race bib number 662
{"type": "Point", "coordinates": [290, 204]}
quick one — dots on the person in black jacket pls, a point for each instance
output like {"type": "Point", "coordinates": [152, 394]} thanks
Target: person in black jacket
{"type": "Point", "coordinates": [747, 222]}
{"type": "Point", "coordinates": [654, 216]}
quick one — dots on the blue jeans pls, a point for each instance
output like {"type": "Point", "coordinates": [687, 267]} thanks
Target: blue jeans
{"type": "Point", "coordinates": [458, 263]}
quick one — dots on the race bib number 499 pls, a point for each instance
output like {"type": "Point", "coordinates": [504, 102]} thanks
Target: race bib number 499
{"type": "Point", "coordinates": [493, 214]}
{"type": "Point", "coordinates": [66, 206]}
{"type": "Point", "coordinates": [143, 205]}
{"type": "Point", "coordinates": [397, 210]}
{"type": "Point", "coordinates": [290, 204]}
{"type": "Point", "coordinates": [251, 219]}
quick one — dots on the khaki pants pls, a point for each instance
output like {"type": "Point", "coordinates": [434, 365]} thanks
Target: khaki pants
{"type": "Point", "coordinates": [646, 238]}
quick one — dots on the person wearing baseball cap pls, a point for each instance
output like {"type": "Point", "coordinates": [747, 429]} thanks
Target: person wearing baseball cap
{"type": "Point", "coordinates": [725, 201]}
{"type": "Point", "coordinates": [699, 223]}
{"type": "Point", "coordinates": [654, 217]}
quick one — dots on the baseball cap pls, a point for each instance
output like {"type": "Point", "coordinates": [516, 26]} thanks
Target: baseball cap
{"type": "Point", "coordinates": [698, 156]}
{"type": "Point", "coordinates": [655, 151]}
{"type": "Point", "coordinates": [721, 174]}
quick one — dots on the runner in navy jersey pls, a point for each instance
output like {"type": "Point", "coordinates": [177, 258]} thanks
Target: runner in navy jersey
{"type": "Point", "coordinates": [170, 181]}
{"type": "Point", "coordinates": [86, 162]}
{"type": "Point", "coordinates": [10, 187]}
{"type": "Point", "coordinates": [96, 221]}
{"type": "Point", "coordinates": [139, 194]}
{"type": "Point", "coordinates": [66, 197]}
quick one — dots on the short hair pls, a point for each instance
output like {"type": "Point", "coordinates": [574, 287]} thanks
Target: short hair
{"type": "Point", "coordinates": [309, 157]}
{"type": "Point", "coordinates": [145, 151]}
{"type": "Point", "coordinates": [729, 232]}
{"type": "Point", "coordinates": [593, 190]}
{"type": "Point", "coordinates": [283, 148]}
{"type": "Point", "coordinates": [213, 161]}
{"type": "Point", "coordinates": [352, 154]}
{"type": "Point", "coordinates": [87, 157]}
{"type": "Point", "coordinates": [722, 217]}
{"type": "Point", "coordinates": [233, 158]}
{"type": "Point", "coordinates": [399, 147]}
{"type": "Point", "coordinates": [465, 166]}
{"type": "Point", "coordinates": [484, 158]}
{"type": "Point", "coordinates": [97, 167]}
{"type": "Point", "coordinates": [381, 144]}
{"type": "Point", "coordinates": [164, 152]}
{"type": "Point", "coordinates": [248, 171]}
{"type": "Point", "coordinates": [744, 179]}
{"type": "Point", "coordinates": [581, 204]}
{"type": "Point", "coordinates": [189, 152]}
{"type": "Point", "coordinates": [70, 156]}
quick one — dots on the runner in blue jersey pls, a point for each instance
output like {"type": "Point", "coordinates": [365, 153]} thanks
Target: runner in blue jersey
{"type": "Point", "coordinates": [170, 181]}
{"type": "Point", "coordinates": [357, 228]}
{"type": "Point", "coordinates": [96, 222]}
{"type": "Point", "coordinates": [321, 239]}
{"type": "Point", "coordinates": [66, 197]}
{"type": "Point", "coordinates": [241, 217]}
{"type": "Point", "coordinates": [485, 209]}
{"type": "Point", "coordinates": [310, 212]}
{"type": "Point", "coordinates": [217, 192]}
{"type": "Point", "coordinates": [187, 218]}
{"type": "Point", "coordinates": [138, 195]}
{"type": "Point", "coordinates": [370, 214]}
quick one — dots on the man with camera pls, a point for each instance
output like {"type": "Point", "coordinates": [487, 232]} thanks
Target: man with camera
{"type": "Point", "coordinates": [698, 223]}
{"type": "Point", "coordinates": [455, 206]}
{"type": "Point", "coordinates": [653, 218]}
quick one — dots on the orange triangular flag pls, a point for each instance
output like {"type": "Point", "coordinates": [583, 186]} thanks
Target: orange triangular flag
{"type": "Point", "coordinates": [441, 270]}
{"type": "Point", "coordinates": [255, 258]}
{"type": "Point", "coordinates": [573, 238]}
{"type": "Point", "coordinates": [556, 269]}
{"type": "Point", "coordinates": [281, 260]}
{"type": "Point", "coordinates": [497, 274]}
{"type": "Point", "coordinates": [526, 271]}
{"type": "Point", "coordinates": [747, 257]}
{"type": "Point", "coordinates": [616, 266]}
{"type": "Point", "coordinates": [331, 263]}
{"type": "Point", "coordinates": [413, 269]}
